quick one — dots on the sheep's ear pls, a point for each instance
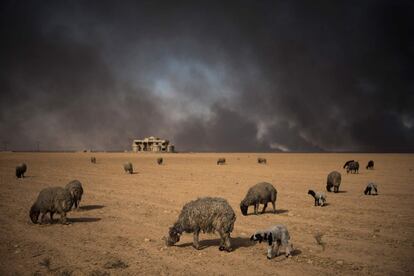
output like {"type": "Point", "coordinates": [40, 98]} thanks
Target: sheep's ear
{"type": "Point", "coordinates": [270, 239]}
{"type": "Point", "coordinates": [259, 238]}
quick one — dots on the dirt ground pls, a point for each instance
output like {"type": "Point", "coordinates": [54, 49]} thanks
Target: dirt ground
{"type": "Point", "coordinates": [123, 217]}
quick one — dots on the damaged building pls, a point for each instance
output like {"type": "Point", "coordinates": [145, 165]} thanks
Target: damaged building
{"type": "Point", "coordinates": [152, 144]}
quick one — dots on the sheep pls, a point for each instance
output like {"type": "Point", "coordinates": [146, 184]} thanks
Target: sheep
{"type": "Point", "coordinates": [261, 193]}
{"type": "Point", "coordinates": [276, 236]}
{"type": "Point", "coordinates": [128, 168]}
{"type": "Point", "coordinates": [370, 165]}
{"type": "Point", "coordinates": [334, 180]}
{"type": "Point", "coordinates": [207, 214]}
{"type": "Point", "coordinates": [347, 163]}
{"type": "Point", "coordinates": [159, 161]}
{"type": "Point", "coordinates": [93, 160]}
{"type": "Point", "coordinates": [353, 167]}
{"type": "Point", "coordinates": [51, 200]}
{"type": "Point", "coordinates": [320, 198]}
{"type": "Point", "coordinates": [75, 189]}
{"type": "Point", "coordinates": [371, 189]}
{"type": "Point", "coordinates": [20, 170]}
{"type": "Point", "coordinates": [221, 161]}
{"type": "Point", "coordinates": [261, 160]}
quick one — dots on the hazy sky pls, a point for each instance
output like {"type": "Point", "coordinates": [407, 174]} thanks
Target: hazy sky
{"type": "Point", "coordinates": [209, 76]}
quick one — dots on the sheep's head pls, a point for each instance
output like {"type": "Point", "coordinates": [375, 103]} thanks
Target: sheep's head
{"type": "Point", "coordinates": [34, 215]}
{"type": "Point", "coordinates": [243, 208]}
{"type": "Point", "coordinates": [173, 237]}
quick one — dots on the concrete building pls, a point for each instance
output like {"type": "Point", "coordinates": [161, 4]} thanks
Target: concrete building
{"type": "Point", "coordinates": [153, 144]}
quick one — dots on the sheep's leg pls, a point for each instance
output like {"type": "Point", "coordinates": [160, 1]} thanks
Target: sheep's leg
{"type": "Point", "coordinates": [51, 217]}
{"type": "Point", "coordinates": [42, 215]}
{"type": "Point", "coordinates": [196, 244]}
{"type": "Point", "coordinates": [256, 208]}
{"type": "Point", "coordinates": [264, 208]}
{"type": "Point", "coordinates": [63, 218]}
{"type": "Point", "coordinates": [274, 207]}
{"type": "Point", "coordinates": [276, 248]}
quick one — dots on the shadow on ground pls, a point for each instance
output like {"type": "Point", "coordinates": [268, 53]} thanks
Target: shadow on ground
{"type": "Point", "coordinates": [90, 207]}
{"type": "Point", "coordinates": [76, 220]}
{"type": "Point", "coordinates": [236, 243]}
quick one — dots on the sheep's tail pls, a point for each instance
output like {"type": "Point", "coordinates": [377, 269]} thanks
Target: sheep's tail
{"type": "Point", "coordinates": [34, 213]}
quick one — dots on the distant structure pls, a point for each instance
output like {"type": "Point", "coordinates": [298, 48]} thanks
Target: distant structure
{"type": "Point", "coordinates": [153, 144]}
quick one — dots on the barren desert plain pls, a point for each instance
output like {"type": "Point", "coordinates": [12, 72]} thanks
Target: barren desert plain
{"type": "Point", "coordinates": [123, 217]}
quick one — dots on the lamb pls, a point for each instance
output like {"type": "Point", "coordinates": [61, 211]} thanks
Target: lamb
{"type": "Point", "coordinates": [320, 198]}
{"type": "Point", "coordinates": [261, 193]}
{"type": "Point", "coordinates": [93, 160]}
{"type": "Point", "coordinates": [128, 168]}
{"type": "Point", "coordinates": [20, 170]}
{"type": "Point", "coordinates": [370, 165]}
{"type": "Point", "coordinates": [261, 160]}
{"type": "Point", "coordinates": [51, 200]}
{"type": "Point", "coordinates": [347, 163]}
{"type": "Point", "coordinates": [371, 189]}
{"type": "Point", "coordinates": [207, 214]}
{"type": "Point", "coordinates": [159, 161]}
{"type": "Point", "coordinates": [76, 191]}
{"type": "Point", "coordinates": [221, 161]}
{"type": "Point", "coordinates": [353, 167]}
{"type": "Point", "coordinates": [275, 236]}
{"type": "Point", "coordinates": [334, 180]}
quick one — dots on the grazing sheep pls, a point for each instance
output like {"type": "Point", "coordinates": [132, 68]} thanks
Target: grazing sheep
{"type": "Point", "coordinates": [76, 191]}
{"type": "Point", "coordinates": [261, 193]}
{"type": "Point", "coordinates": [93, 159]}
{"type": "Point", "coordinates": [320, 198]}
{"type": "Point", "coordinates": [353, 167]}
{"type": "Point", "coordinates": [275, 236]}
{"type": "Point", "coordinates": [347, 163]}
{"type": "Point", "coordinates": [207, 214]}
{"type": "Point", "coordinates": [261, 160]}
{"type": "Point", "coordinates": [159, 161]}
{"type": "Point", "coordinates": [221, 161]}
{"type": "Point", "coordinates": [52, 200]}
{"type": "Point", "coordinates": [334, 180]}
{"type": "Point", "coordinates": [371, 189]}
{"type": "Point", "coordinates": [128, 168]}
{"type": "Point", "coordinates": [20, 170]}
{"type": "Point", "coordinates": [370, 165]}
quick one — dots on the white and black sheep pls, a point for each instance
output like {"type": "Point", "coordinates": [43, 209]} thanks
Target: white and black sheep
{"type": "Point", "coordinates": [128, 168]}
{"type": "Point", "coordinates": [333, 180]}
{"type": "Point", "coordinates": [320, 198]}
{"type": "Point", "coordinates": [276, 236]}
{"type": "Point", "coordinates": [21, 170]}
{"type": "Point", "coordinates": [51, 200]}
{"type": "Point", "coordinates": [76, 191]}
{"type": "Point", "coordinates": [371, 189]}
{"type": "Point", "coordinates": [207, 214]}
{"type": "Point", "coordinates": [221, 161]}
{"type": "Point", "coordinates": [261, 193]}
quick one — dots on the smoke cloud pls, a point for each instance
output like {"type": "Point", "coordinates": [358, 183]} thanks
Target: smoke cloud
{"type": "Point", "coordinates": [209, 76]}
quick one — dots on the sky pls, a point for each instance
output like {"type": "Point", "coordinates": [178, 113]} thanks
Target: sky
{"type": "Point", "coordinates": [231, 76]}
